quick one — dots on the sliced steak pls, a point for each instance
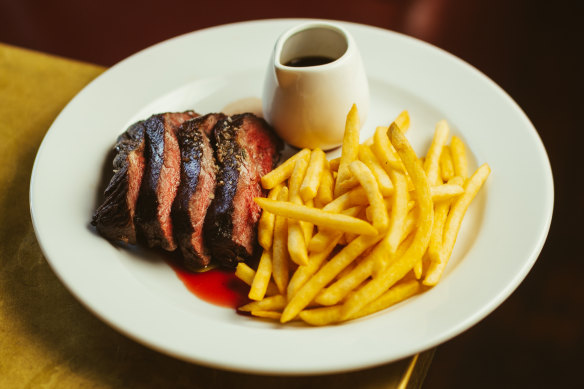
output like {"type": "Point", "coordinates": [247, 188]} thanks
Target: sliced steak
{"type": "Point", "coordinates": [114, 218]}
{"type": "Point", "coordinates": [161, 179]}
{"type": "Point", "coordinates": [196, 189]}
{"type": "Point", "coordinates": [246, 148]}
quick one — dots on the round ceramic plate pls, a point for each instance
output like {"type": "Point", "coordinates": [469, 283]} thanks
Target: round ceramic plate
{"type": "Point", "coordinates": [137, 293]}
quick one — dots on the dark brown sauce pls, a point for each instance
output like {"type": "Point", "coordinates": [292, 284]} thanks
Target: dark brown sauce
{"type": "Point", "coordinates": [303, 62]}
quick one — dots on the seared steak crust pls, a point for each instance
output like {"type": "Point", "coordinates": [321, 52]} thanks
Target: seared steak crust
{"type": "Point", "coordinates": [161, 179]}
{"type": "Point", "coordinates": [114, 218]}
{"type": "Point", "coordinates": [188, 181]}
{"type": "Point", "coordinates": [246, 148]}
{"type": "Point", "coordinates": [196, 189]}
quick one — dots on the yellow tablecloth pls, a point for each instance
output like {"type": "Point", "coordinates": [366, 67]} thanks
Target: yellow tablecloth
{"type": "Point", "coordinates": [47, 338]}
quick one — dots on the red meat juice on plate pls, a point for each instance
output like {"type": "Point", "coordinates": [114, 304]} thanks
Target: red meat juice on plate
{"type": "Point", "coordinates": [216, 286]}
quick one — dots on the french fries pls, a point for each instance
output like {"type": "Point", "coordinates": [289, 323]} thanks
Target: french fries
{"type": "Point", "coordinates": [280, 254]}
{"type": "Point", "coordinates": [324, 195]}
{"type": "Point", "coordinates": [369, 183]}
{"type": "Point", "coordinates": [283, 172]}
{"type": "Point", "coordinates": [296, 238]}
{"type": "Point", "coordinates": [432, 160]}
{"type": "Point", "coordinates": [317, 216]}
{"type": "Point", "coordinates": [260, 282]}
{"type": "Point", "coordinates": [313, 176]}
{"type": "Point", "coordinates": [345, 238]}
{"type": "Point", "coordinates": [325, 236]}
{"type": "Point", "coordinates": [247, 274]}
{"type": "Point", "coordinates": [266, 223]}
{"type": "Point", "coordinates": [328, 315]}
{"type": "Point", "coordinates": [459, 160]}
{"type": "Point", "coordinates": [368, 158]}
{"type": "Point", "coordinates": [453, 222]}
{"type": "Point", "coordinates": [325, 275]}
{"type": "Point", "coordinates": [446, 166]}
{"type": "Point", "coordinates": [315, 260]}
{"type": "Point", "coordinates": [397, 270]}
{"type": "Point", "coordinates": [349, 152]}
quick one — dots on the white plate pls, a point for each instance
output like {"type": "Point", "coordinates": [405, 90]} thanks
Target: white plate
{"type": "Point", "coordinates": [502, 236]}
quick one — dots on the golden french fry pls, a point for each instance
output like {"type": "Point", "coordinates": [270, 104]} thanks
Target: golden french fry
{"type": "Point", "coordinates": [321, 316]}
{"type": "Point", "coordinates": [388, 204]}
{"type": "Point", "coordinates": [440, 214]}
{"type": "Point", "coordinates": [368, 158]}
{"type": "Point", "coordinates": [267, 314]}
{"type": "Point", "coordinates": [459, 160]}
{"type": "Point", "coordinates": [453, 222]}
{"type": "Point", "coordinates": [272, 303]}
{"type": "Point", "coordinates": [280, 256]}
{"type": "Point", "coordinates": [283, 172]}
{"type": "Point", "coordinates": [247, 274]}
{"type": "Point", "coordinates": [315, 260]}
{"type": "Point", "coordinates": [296, 243]}
{"type": "Point", "coordinates": [366, 267]}
{"type": "Point", "coordinates": [396, 270]}
{"type": "Point", "coordinates": [384, 151]}
{"type": "Point", "coordinates": [457, 181]}
{"type": "Point", "coordinates": [402, 121]}
{"type": "Point", "coordinates": [446, 166]}
{"type": "Point", "coordinates": [399, 212]}
{"type": "Point", "coordinates": [340, 203]}
{"type": "Point", "coordinates": [295, 181]}
{"type": "Point", "coordinates": [347, 282]}
{"type": "Point", "coordinates": [244, 273]}
{"type": "Point", "coordinates": [325, 275]}
{"type": "Point", "coordinates": [313, 175]}
{"type": "Point", "coordinates": [347, 270]}
{"type": "Point", "coordinates": [266, 223]}
{"type": "Point", "coordinates": [369, 183]}
{"type": "Point", "coordinates": [324, 195]}
{"type": "Point", "coordinates": [307, 228]}
{"type": "Point", "coordinates": [328, 315]}
{"type": "Point", "coordinates": [349, 183]}
{"type": "Point", "coordinates": [348, 237]}
{"type": "Point", "coordinates": [394, 295]}
{"type": "Point", "coordinates": [317, 216]}
{"type": "Point", "coordinates": [356, 196]}
{"type": "Point", "coordinates": [349, 152]}
{"type": "Point", "coordinates": [418, 268]}
{"type": "Point", "coordinates": [433, 156]}
{"type": "Point", "coordinates": [334, 164]}
{"type": "Point", "coordinates": [446, 191]}
{"type": "Point", "coordinates": [262, 277]}
{"type": "Point", "coordinates": [324, 236]}
{"type": "Point", "coordinates": [403, 243]}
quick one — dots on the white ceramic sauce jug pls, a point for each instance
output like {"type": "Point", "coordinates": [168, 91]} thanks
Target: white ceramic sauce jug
{"type": "Point", "coordinates": [307, 103]}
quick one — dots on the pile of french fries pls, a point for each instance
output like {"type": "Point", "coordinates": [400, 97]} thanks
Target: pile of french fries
{"type": "Point", "coordinates": [349, 237]}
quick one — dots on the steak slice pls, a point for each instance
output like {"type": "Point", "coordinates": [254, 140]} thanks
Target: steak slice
{"type": "Point", "coordinates": [114, 218]}
{"type": "Point", "coordinates": [246, 149]}
{"type": "Point", "coordinates": [161, 179]}
{"type": "Point", "coordinates": [196, 189]}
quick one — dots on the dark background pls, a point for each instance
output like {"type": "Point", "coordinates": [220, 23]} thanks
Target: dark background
{"type": "Point", "coordinates": [530, 48]}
